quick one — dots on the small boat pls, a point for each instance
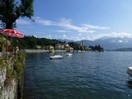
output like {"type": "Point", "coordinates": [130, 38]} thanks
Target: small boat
{"type": "Point", "coordinates": [68, 54]}
{"type": "Point", "coordinates": [56, 57]}
{"type": "Point", "coordinates": [129, 70]}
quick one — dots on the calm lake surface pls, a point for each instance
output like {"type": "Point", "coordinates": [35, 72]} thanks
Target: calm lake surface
{"type": "Point", "coordinates": [84, 75]}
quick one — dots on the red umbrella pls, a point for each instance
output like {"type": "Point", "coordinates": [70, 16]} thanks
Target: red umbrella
{"type": "Point", "coordinates": [12, 33]}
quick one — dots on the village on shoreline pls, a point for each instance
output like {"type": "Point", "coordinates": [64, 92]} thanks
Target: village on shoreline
{"type": "Point", "coordinates": [60, 48]}
{"type": "Point", "coordinates": [34, 44]}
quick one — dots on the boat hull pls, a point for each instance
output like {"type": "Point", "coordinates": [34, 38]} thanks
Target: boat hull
{"type": "Point", "coordinates": [56, 57]}
{"type": "Point", "coordinates": [69, 54]}
{"type": "Point", "coordinates": [129, 71]}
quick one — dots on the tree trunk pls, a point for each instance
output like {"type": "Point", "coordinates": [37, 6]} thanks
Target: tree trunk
{"type": "Point", "coordinates": [9, 25]}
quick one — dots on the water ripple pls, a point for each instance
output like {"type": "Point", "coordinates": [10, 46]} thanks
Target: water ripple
{"type": "Point", "coordinates": [86, 75]}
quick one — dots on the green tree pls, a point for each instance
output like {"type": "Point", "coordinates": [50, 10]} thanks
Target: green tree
{"type": "Point", "coordinates": [11, 10]}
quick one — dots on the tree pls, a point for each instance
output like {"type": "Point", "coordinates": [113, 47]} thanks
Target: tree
{"type": "Point", "coordinates": [11, 10]}
{"type": "Point", "coordinates": [96, 48]}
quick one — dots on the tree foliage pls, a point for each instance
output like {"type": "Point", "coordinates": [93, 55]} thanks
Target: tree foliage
{"type": "Point", "coordinates": [96, 48]}
{"type": "Point", "coordinates": [11, 10]}
{"type": "Point", "coordinates": [76, 46]}
{"type": "Point", "coordinates": [31, 42]}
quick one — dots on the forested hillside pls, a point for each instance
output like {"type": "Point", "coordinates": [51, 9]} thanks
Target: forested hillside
{"type": "Point", "coordinates": [30, 42]}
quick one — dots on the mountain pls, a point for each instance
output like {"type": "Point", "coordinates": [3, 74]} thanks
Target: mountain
{"type": "Point", "coordinates": [65, 40]}
{"type": "Point", "coordinates": [108, 43]}
{"type": "Point", "coordinates": [123, 49]}
{"type": "Point", "coordinates": [111, 43]}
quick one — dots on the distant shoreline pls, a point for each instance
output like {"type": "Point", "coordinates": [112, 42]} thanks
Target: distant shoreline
{"type": "Point", "coordinates": [41, 50]}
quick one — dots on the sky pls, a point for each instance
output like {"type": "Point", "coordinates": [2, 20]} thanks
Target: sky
{"type": "Point", "coordinates": [79, 19]}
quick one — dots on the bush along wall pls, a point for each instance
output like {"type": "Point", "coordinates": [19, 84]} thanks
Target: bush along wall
{"type": "Point", "coordinates": [11, 75]}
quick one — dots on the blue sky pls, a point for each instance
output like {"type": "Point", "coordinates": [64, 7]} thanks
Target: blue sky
{"type": "Point", "coordinates": [79, 19]}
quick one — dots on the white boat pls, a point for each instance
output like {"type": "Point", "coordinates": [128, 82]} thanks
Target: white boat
{"type": "Point", "coordinates": [56, 57]}
{"type": "Point", "coordinates": [69, 54]}
{"type": "Point", "coordinates": [129, 70]}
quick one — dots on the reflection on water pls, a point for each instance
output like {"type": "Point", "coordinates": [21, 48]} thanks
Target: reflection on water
{"type": "Point", "coordinates": [129, 83]}
{"type": "Point", "coordinates": [85, 75]}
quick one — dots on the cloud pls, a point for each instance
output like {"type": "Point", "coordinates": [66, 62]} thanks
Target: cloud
{"type": "Point", "coordinates": [23, 22]}
{"type": "Point", "coordinates": [62, 31]}
{"type": "Point", "coordinates": [95, 27]}
{"type": "Point", "coordinates": [65, 36]}
{"type": "Point", "coordinates": [93, 37]}
{"type": "Point", "coordinates": [45, 22]}
{"type": "Point", "coordinates": [48, 36]}
{"type": "Point", "coordinates": [67, 25]}
{"type": "Point", "coordinates": [77, 32]}
{"type": "Point", "coordinates": [111, 35]}
{"type": "Point", "coordinates": [122, 35]}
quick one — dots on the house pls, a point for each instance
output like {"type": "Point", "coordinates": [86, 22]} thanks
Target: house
{"type": "Point", "coordinates": [38, 47]}
{"type": "Point", "coordinates": [49, 47]}
{"type": "Point", "coordinates": [58, 46]}
{"type": "Point", "coordinates": [68, 48]}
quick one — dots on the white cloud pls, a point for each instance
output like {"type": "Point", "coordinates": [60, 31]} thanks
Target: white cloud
{"type": "Point", "coordinates": [67, 25]}
{"type": "Point", "coordinates": [111, 35]}
{"type": "Point", "coordinates": [119, 41]}
{"type": "Point", "coordinates": [48, 36]}
{"type": "Point", "coordinates": [83, 31]}
{"type": "Point", "coordinates": [45, 22]}
{"type": "Point", "coordinates": [64, 36]}
{"type": "Point", "coordinates": [122, 35]}
{"type": "Point", "coordinates": [63, 31]}
{"type": "Point", "coordinates": [98, 36]}
{"type": "Point", "coordinates": [95, 27]}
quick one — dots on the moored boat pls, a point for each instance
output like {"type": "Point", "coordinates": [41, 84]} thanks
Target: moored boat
{"type": "Point", "coordinates": [129, 70]}
{"type": "Point", "coordinates": [69, 54]}
{"type": "Point", "coordinates": [56, 57]}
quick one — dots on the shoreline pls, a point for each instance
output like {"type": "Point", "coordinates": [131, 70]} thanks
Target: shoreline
{"type": "Point", "coordinates": [41, 50]}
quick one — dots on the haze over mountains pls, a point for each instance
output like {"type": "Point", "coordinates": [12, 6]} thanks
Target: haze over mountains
{"type": "Point", "coordinates": [111, 43]}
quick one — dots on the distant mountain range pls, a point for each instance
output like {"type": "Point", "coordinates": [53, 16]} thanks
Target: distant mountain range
{"type": "Point", "coordinates": [114, 43]}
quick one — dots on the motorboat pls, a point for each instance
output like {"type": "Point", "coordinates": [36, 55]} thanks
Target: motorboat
{"type": "Point", "coordinates": [129, 70]}
{"type": "Point", "coordinates": [56, 57]}
{"type": "Point", "coordinates": [69, 54]}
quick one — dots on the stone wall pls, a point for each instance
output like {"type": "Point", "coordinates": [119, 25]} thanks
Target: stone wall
{"type": "Point", "coordinates": [11, 75]}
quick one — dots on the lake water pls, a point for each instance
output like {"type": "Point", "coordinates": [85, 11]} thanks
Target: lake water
{"type": "Point", "coordinates": [84, 75]}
